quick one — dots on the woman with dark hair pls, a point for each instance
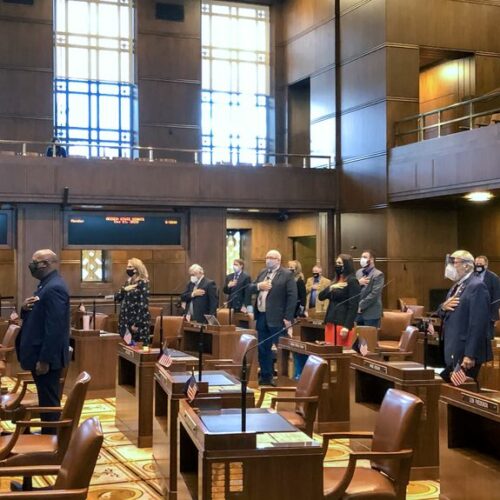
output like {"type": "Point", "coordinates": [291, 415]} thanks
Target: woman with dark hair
{"type": "Point", "coordinates": [344, 295]}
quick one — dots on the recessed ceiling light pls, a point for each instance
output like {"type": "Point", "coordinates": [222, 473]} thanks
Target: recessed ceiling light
{"type": "Point", "coordinates": [254, 210]}
{"type": "Point", "coordinates": [479, 196]}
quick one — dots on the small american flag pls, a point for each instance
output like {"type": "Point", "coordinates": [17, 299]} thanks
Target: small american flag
{"type": "Point", "coordinates": [165, 358]}
{"type": "Point", "coordinates": [13, 315]}
{"type": "Point", "coordinates": [458, 376]}
{"type": "Point", "coordinates": [360, 345]}
{"type": "Point", "coordinates": [127, 338]}
{"type": "Point", "coordinates": [191, 388]}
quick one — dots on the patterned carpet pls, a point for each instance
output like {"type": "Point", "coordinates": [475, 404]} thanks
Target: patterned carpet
{"type": "Point", "coordinates": [124, 472]}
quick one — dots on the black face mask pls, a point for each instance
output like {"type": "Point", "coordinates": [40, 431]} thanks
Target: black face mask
{"type": "Point", "coordinates": [316, 275]}
{"type": "Point", "coordinates": [479, 269]}
{"type": "Point", "coordinates": [37, 272]}
{"type": "Point", "coordinates": [131, 272]}
{"type": "Point", "coordinates": [339, 270]}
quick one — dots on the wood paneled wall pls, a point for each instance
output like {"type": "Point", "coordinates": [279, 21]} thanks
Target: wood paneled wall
{"type": "Point", "coordinates": [169, 77]}
{"type": "Point", "coordinates": [26, 73]}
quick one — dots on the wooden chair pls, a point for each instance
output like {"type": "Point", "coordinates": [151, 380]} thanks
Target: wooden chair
{"type": "Point", "coordinates": [417, 310]}
{"type": "Point", "coordinates": [223, 315]}
{"type": "Point", "coordinates": [406, 301]}
{"type": "Point", "coordinates": [35, 449]}
{"type": "Point", "coordinates": [8, 360]}
{"type": "Point", "coordinates": [233, 366]}
{"type": "Point", "coordinates": [393, 323]}
{"type": "Point", "coordinates": [306, 395]}
{"type": "Point", "coordinates": [74, 473]}
{"type": "Point", "coordinates": [404, 349]}
{"type": "Point", "coordinates": [393, 441]}
{"type": "Point", "coordinates": [172, 331]}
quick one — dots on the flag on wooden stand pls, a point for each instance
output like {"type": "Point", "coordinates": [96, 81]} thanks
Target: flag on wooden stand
{"type": "Point", "coordinates": [165, 359]}
{"type": "Point", "coordinates": [458, 376]}
{"type": "Point", "coordinates": [191, 388]}
{"type": "Point", "coordinates": [127, 338]}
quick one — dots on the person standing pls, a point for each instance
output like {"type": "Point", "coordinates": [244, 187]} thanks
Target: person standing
{"type": "Point", "coordinates": [275, 307]}
{"type": "Point", "coordinates": [316, 284]}
{"type": "Point", "coordinates": [371, 280]}
{"type": "Point", "coordinates": [200, 297]}
{"type": "Point", "coordinates": [466, 316]}
{"type": "Point", "coordinates": [236, 287]}
{"type": "Point", "coordinates": [344, 296]}
{"type": "Point", "coordinates": [43, 343]}
{"type": "Point", "coordinates": [134, 298]}
{"type": "Point", "coordinates": [492, 282]}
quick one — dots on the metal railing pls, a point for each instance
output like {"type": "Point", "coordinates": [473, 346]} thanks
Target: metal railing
{"type": "Point", "coordinates": [151, 154]}
{"type": "Point", "coordinates": [472, 109]}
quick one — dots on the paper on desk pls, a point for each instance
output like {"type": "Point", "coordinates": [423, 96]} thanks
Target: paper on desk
{"type": "Point", "coordinates": [290, 437]}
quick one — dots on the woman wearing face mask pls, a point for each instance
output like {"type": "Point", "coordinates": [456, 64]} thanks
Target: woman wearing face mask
{"type": "Point", "coordinates": [134, 298]}
{"type": "Point", "coordinates": [344, 295]}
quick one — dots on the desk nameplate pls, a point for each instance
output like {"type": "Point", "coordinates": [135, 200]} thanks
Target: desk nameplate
{"type": "Point", "coordinates": [375, 366]}
{"type": "Point", "coordinates": [481, 403]}
{"type": "Point", "coordinates": [309, 347]}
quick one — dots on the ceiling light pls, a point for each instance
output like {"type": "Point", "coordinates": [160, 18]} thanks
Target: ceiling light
{"type": "Point", "coordinates": [479, 196]}
{"type": "Point", "coordinates": [254, 210]}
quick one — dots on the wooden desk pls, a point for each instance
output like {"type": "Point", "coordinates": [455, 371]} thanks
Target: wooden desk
{"type": "Point", "coordinates": [134, 390]}
{"type": "Point", "coordinates": [94, 352]}
{"type": "Point", "coordinates": [309, 330]}
{"type": "Point", "coordinates": [243, 320]}
{"type": "Point", "coordinates": [218, 341]}
{"type": "Point", "coordinates": [435, 356]}
{"type": "Point", "coordinates": [489, 375]}
{"type": "Point", "coordinates": [373, 377]}
{"type": "Point", "coordinates": [271, 460]}
{"type": "Point", "coordinates": [333, 408]}
{"type": "Point", "coordinates": [217, 388]}
{"type": "Point", "coordinates": [469, 444]}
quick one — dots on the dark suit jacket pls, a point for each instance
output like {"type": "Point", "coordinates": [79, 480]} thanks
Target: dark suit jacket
{"type": "Point", "coordinates": [344, 303]}
{"type": "Point", "coordinates": [239, 295]}
{"type": "Point", "coordinates": [465, 329]}
{"type": "Point", "coordinates": [492, 282]}
{"type": "Point", "coordinates": [204, 304]}
{"type": "Point", "coordinates": [44, 335]}
{"type": "Point", "coordinates": [281, 300]}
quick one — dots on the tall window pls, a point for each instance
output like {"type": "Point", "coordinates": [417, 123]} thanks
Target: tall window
{"type": "Point", "coordinates": [235, 82]}
{"type": "Point", "coordinates": [94, 90]}
{"type": "Point", "coordinates": [92, 266]}
{"type": "Point", "coordinates": [233, 249]}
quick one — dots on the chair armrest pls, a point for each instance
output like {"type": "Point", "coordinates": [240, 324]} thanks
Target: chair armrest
{"type": "Point", "coordinates": [223, 367]}
{"type": "Point", "coordinates": [45, 409]}
{"type": "Point", "coordinates": [38, 423]}
{"type": "Point", "coordinates": [265, 390]}
{"type": "Point", "coordinates": [47, 495]}
{"type": "Point", "coordinates": [343, 435]}
{"type": "Point", "coordinates": [293, 399]}
{"type": "Point", "coordinates": [217, 361]}
{"type": "Point", "coordinates": [30, 470]}
{"type": "Point", "coordinates": [383, 349]}
{"type": "Point", "coordinates": [6, 349]}
{"type": "Point", "coordinates": [397, 354]}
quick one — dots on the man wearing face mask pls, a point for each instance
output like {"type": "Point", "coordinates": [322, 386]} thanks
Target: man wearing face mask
{"type": "Point", "coordinates": [314, 286]}
{"type": "Point", "coordinates": [236, 287]}
{"type": "Point", "coordinates": [43, 343]}
{"type": "Point", "coordinates": [274, 309]}
{"type": "Point", "coordinates": [201, 295]}
{"type": "Point", "coordinates": [371, 280]}
{"type": "Point", "coordinates": [465, 314]}
{"type": "Point", "coordinates": [492, 282]}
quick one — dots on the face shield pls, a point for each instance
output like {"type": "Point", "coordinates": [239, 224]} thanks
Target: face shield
{"type": "Point", "coordinates": [455, 272]}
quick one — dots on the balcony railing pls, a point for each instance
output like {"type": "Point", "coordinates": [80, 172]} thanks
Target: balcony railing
{"type": "Point", "coordinates": [167, 155]}
{"type": "Point", "coordinates": [458, 117]}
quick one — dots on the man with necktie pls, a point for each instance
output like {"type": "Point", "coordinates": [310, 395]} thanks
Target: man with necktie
{"type": "Point", "coordinates": [236, 287]}
{"type": "Point", "coordinates": [274, 310]}
{"type": "Point", "coordinates": [314, 286]}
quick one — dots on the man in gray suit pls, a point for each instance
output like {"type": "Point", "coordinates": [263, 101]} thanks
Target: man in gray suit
{"type": "Point", "coordinates": [274, 309]}
{"type": "Point", "coordinates": [371, 280]}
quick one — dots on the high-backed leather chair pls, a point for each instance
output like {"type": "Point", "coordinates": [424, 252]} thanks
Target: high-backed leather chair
{"type": "Point", "coordinates": [306, 397]}
{"type": "Point", "coordinates": [8, 361]}
{"type": "Point", "coordinates": [4, 325]}
{"type": "Point", "coordinates": [247, 343]}
{"type": "Point", "coordinates": [406, 301]}
{"type": "Point", "coordinates": [154, 312]}
{"type": "Point", "coordinates": [417, 310]}
{"type": "Point", "coordinates": [32, 449]}
{"type": "Point", "coordinates": [223, 315]}
{"type": "Point", "coordinates": [393, 441]}
{"type": "Point", "coordinates": [74, 473]}
{"type": "Point", "coordinates": [404, 349]}
{"type": "Point", "coordinates": [172, 331]}
{"type": "Point", "coordinates": [393, 323]}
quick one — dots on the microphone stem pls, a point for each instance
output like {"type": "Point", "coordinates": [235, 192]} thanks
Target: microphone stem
{"type": "Point", "coordinates": [244, 394]}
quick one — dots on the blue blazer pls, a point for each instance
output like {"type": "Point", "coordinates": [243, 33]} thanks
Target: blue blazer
{"type": "Point", "coordinates": [466, 328]}
{"type": "Point", "coordinates": [44, 334]}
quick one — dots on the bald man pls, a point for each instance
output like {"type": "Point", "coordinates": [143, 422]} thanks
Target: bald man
{"type": "Point", "coordinates": [43, 344]}
{"type": "Point", "coordinates": [274, 310]}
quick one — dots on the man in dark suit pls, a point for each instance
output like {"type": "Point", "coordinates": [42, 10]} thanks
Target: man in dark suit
{"type": "Point", "coordinates": [492, 282]}
{"type": "Point", "coordinates": [43, 343]}
{"type": "Point", "coordinates": [201, 295]}
{"type": "Point", "coordinates": [274, 309]}
{"type": "Point", "coordinates": [236, 287]}
{"type": "Point", "coordinates": [466, 316]}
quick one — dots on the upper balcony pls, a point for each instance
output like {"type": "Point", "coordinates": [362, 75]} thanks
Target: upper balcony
{"type": "Point", "coordinates": [450, 150]}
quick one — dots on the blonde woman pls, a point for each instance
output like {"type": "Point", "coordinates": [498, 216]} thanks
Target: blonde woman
{"type": "Point", "coordinates": [134, 298]}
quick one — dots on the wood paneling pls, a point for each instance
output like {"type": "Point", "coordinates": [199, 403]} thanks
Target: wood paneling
{"type": "Point", "coordinates": [364, 231]}
{"type": "Point", "coordinates": [7, 273]}
{"type": "Point", "coordinates": [323, 95]}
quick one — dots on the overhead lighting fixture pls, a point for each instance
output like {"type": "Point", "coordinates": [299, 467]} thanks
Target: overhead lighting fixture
{"type": "Point", "coordinates": [479, 196]}
{"type": "Point", "coordinates": [254, 210]}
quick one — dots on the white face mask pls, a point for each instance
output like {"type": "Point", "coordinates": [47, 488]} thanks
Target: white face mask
{"type": "Point", "coordinates": [451, 273]}
{"type": "Point", "coordinates": [363, 262]}
{"type": "Point", "coordinates": [236, 269]}
{"type": "Point", "coordinates": [194, 279]}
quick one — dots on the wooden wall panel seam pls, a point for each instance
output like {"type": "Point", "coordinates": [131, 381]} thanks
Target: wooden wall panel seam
{"type": "Point", "coordinates": [170, 125]}
{"type": "Point", "coordinates": [492, 3]}
{"type": "Point", "coordinates": [385, 45]}
{"type": "Point", "coordinates": [461, 188]}
{"type": "Point", "coordinates": [28, 20]}
{"type": "Point", "coordinates": [354, 7]}
{"type": "Point", "coordinates": [166, 34]}
{"type": "Point", "coordinates": [310, 29]}
{"type": "Point", "coordinates": [486, 54]}
{"type": "Point", "coordinates": [354, 159]}
{"type": "Point", "coordinates": [169, 80]}
{"type": "Point", "coordinates": [24, 117]}
{"type": "Point", "coordinates": [9, 67]}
